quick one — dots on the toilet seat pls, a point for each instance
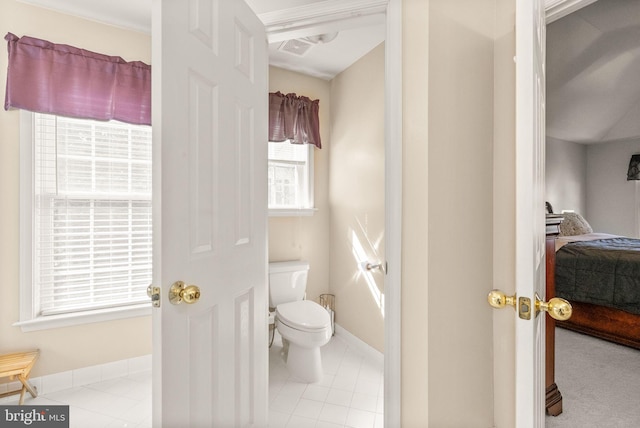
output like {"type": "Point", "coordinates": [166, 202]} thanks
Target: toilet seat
{"type": "Point", "coordinates": [303, 315]}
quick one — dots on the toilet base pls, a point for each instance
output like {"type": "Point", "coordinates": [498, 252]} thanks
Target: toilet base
{"type": "Point", "coordinates": [303, 363]}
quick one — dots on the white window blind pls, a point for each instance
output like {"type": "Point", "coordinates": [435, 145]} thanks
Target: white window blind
{"type": "Point", "coordinates": [92, 224]}
{"type": "Point", "coordinates": [289, 175]}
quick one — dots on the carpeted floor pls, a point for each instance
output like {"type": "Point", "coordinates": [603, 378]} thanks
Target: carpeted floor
{"type": "Point", "coordinates": [599, 382]}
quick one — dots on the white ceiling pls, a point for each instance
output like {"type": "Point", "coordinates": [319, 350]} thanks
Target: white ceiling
{"type": "Point", "coordinates": [324, 60]}
{"type": "Point", "coordinates": [593, 73]}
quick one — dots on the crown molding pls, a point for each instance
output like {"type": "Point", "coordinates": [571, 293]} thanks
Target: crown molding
{"type": "Point", "coordinates": [556, 9]}
{"type": "Point", "coordinates": [135, 19]}
{"type": "Point", "coordinates": [306, 19]}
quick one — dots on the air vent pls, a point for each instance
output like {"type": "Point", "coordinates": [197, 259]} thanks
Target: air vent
{"type": "Point", "coordinates": [296, 47]}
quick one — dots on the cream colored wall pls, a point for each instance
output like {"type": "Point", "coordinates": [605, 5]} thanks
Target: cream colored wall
{"type": "Point", "coordinates": [307, 238]}
{"type": "Point", "coordinates": [416, 343]}
{"type": "Point", "coordinates": [356, 195]}
{"type": "Point", "coordinates": [72, 347]}
{"type": "Point", "coordinates": [504, 212]}
{"type": "Point", "coordinates": [448, 267]}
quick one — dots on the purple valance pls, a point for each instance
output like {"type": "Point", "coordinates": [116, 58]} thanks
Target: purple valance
{"type": "Point", "coordinates": [294, 118]}
{"type": "Point", "coordinates": [59, 79]}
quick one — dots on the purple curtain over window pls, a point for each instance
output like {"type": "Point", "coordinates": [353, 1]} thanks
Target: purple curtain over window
{"type": "Point", "coordinates": [294, 118]}
{"type": "Point", "coordinates": [52, 78]}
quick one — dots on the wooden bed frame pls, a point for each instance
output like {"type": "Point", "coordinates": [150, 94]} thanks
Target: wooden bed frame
{"type": "Point", "coordinates": [606, 323]}
{"type": "Point", "coordinates": [602, 322]}
{"type": "Point", "coordinates": [599, 321]}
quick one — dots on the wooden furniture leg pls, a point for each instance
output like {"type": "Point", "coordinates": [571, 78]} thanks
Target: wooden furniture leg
{"type": "Point", "coordinates": [26, 386]}
{"type": "Point", "coordinates": [19, 366]}
{"type": "Point", "coordinates": [553, 396]}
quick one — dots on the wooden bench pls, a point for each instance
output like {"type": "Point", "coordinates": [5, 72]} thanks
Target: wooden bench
{"type": "Point", "coordinates": [19, 366]}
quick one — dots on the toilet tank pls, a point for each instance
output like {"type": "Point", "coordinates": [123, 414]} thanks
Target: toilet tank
{"type": "Point", "coordinates": [287, 281]}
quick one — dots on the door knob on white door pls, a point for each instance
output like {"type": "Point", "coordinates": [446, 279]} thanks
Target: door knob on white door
{"type": "Point", "coordinates": [498, 300]}
{"type": "Point", "coordinates": [179, 292]}
{"type": "Point", "coordinates": [557, 308]}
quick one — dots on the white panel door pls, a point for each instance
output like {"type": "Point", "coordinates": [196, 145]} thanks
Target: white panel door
{"type": "Point", "coordinates": [530, 217]}
{"type": "Point", "coordinates": [210, 96]}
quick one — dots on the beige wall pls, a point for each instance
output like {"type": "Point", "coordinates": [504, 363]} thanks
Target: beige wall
{"type": "Point", "coordinates": [447, 266]}
{"type": "Point", "coordinates": [306, 238]}
{"type": "Point", "coordinates": [356, 195]}
{"type": "Point", "coordinates": [504, 212]}
{"type": "Point", "coordinates": [415, 406]}
{"type": "Point", "coordinates": [72, 347]}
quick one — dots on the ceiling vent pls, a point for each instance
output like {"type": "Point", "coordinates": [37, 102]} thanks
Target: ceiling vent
{"type": "Point", "coordinates": [298, 47]}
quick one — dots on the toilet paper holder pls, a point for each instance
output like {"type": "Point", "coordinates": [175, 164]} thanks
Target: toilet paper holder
{"type": "Point", "coordinates": [367, 266]}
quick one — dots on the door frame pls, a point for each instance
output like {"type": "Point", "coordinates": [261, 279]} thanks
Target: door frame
{"type": "Point", "coordinates": [393, 215]}
{"type": "Point", "coordinates": [293, 23]}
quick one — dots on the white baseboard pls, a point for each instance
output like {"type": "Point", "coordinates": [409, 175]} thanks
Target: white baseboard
{"type": "Point", "coordinates": [80, 377]}
{"type": "Point", "coordinates": [359, 344]}
{"type": "Point", "coordinates": [101, 372]}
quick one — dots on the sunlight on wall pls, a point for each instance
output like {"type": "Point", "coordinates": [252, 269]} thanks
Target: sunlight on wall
{"type": "Point", "coordinates": [362, 259]}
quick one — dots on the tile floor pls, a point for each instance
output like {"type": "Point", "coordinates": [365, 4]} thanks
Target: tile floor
{"type": "Point", "coordinates": [349, 395]}
{"type": "Point", "coordinates": [120, 402]}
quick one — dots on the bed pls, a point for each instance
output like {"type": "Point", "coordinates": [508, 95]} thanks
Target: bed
{"type": "Point", "coordinates": [600, 275]}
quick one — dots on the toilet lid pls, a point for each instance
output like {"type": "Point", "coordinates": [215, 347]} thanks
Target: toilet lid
{"type": "Point", "coordinates": [303, 315]}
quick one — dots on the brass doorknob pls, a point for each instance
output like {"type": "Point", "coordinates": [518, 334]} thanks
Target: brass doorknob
{"type": "Point", "coordinates": [557, 308]}
{"type": "Point", "coordinates": [179, 293]}
{"type": "Point", "coordinates": [498, 300]}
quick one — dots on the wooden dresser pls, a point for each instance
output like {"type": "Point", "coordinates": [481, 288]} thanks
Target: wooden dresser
{"type": "Point", "coordinates": [553, 396]}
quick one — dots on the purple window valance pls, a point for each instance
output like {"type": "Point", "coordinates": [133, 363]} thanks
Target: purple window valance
{"type": "Point", "coordinates": [294, 118]}
{"type": "Point", "coordinates": [59, 79]}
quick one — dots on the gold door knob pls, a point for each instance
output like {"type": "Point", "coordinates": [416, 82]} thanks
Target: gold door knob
{"type": "Point", "coordinates": [557, 308]}
{"type": "Point", "coordinates": [179, 293]}
{"type": "Point", "coordinates": [498, 300]}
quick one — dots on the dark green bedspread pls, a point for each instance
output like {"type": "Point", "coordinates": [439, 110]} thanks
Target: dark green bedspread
{"type": "Point", "coordinates": [603, 272]}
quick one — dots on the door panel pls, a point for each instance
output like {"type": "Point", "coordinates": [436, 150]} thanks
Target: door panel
{"type": "Point", "coordinates": [530, 220]}
{"type": "Point", "coordinates": [210, 132]}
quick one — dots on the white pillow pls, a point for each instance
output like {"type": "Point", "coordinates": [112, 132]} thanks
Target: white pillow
{"type": "Point", "coordinates": [574, 224]}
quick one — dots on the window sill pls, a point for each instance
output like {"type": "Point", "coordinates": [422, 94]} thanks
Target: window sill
{"type": "Point", "coordinates": [86, 317]}
{"type": "Point", "coordinates": [292, 212]}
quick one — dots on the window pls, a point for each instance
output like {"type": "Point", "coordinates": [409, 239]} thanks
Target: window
{"type": "Point", "coordinates": [290, 173]}
{"type": "Point", "coordinates": [86, 213]}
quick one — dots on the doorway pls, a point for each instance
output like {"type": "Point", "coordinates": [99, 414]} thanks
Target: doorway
{"type": "Point", "coordinates": [384, 289]}
{"type": "Point", "coordinates": [575, 150]}
{"type": "Point", "coordinates": [345, 234]}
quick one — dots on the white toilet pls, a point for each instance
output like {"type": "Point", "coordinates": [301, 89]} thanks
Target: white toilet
{"type": "Point", "coordinates": [304, 325]}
